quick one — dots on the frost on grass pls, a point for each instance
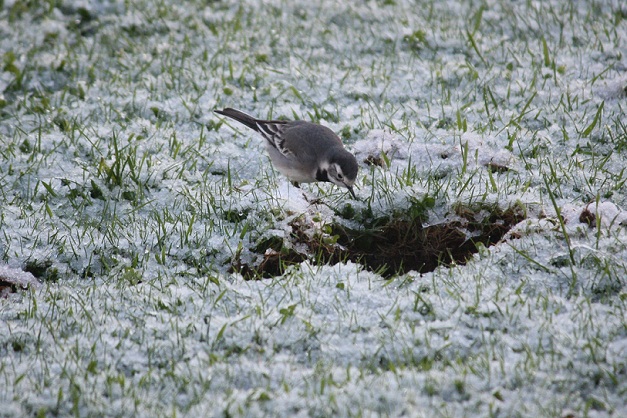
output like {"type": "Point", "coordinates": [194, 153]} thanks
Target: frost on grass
{"type": "Point", "coordinates": [129, 201]}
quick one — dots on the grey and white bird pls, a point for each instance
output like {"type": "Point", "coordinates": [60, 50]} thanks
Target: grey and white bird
{"type": "Point", "coordinates": [304, 152]}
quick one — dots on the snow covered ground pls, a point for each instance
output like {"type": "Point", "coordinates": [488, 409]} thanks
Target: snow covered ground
{"type": "Point", "coordinates": [127, 198]}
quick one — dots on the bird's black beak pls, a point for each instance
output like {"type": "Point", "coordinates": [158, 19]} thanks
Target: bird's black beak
{"type": "Point", "coordinates": [350, 189]}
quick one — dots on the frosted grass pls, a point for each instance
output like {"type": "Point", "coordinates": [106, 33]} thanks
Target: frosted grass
{"type": "Point", "coordinates": [127, 199]}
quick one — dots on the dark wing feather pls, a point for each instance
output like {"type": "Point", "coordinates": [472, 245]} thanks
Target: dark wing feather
{"type": "Point", "coordinates": [271, 130]}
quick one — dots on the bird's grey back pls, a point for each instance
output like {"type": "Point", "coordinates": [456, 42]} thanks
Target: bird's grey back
{"type": "Point", "coordinates": [318, 138]}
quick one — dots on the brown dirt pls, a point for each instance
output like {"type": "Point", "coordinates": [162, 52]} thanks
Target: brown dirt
{"type": "Point", "coordinates": [390, 246]}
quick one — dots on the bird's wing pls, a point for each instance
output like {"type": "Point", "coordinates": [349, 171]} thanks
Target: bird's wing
{"type": "Point", "coordinates": [274, 133]}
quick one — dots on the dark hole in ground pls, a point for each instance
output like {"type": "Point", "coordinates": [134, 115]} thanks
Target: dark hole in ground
{"type": "Point", "coordinates": [387, 246]}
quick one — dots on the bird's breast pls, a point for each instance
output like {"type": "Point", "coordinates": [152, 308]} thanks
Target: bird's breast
{"type": "Point", "coordinates": [321, 175]}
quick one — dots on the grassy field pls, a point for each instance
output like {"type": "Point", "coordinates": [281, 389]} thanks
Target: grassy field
{"type": "Point", "coordinates": [182, 276]}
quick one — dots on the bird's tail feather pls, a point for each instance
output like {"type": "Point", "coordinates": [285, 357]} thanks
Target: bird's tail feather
{"type": "Point", "coordinates": [241, 117]}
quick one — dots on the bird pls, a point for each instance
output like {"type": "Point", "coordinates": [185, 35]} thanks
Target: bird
{"type": "Point", "coordinates": [304, 152]}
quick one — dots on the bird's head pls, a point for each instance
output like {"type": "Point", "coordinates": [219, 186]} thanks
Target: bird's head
{"type": "Point", "coordinates": [342, 169]}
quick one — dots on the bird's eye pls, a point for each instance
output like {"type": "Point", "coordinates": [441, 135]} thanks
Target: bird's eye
{"type": "Point", "coordinates": [340, 176]}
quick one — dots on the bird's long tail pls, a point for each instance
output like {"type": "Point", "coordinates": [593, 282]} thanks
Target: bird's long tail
{"type": "Point", "coordinates": [241, 117]}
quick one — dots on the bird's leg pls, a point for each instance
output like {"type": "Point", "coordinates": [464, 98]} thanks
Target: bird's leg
{"type": "Point", "coordinates": [295, 184]}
